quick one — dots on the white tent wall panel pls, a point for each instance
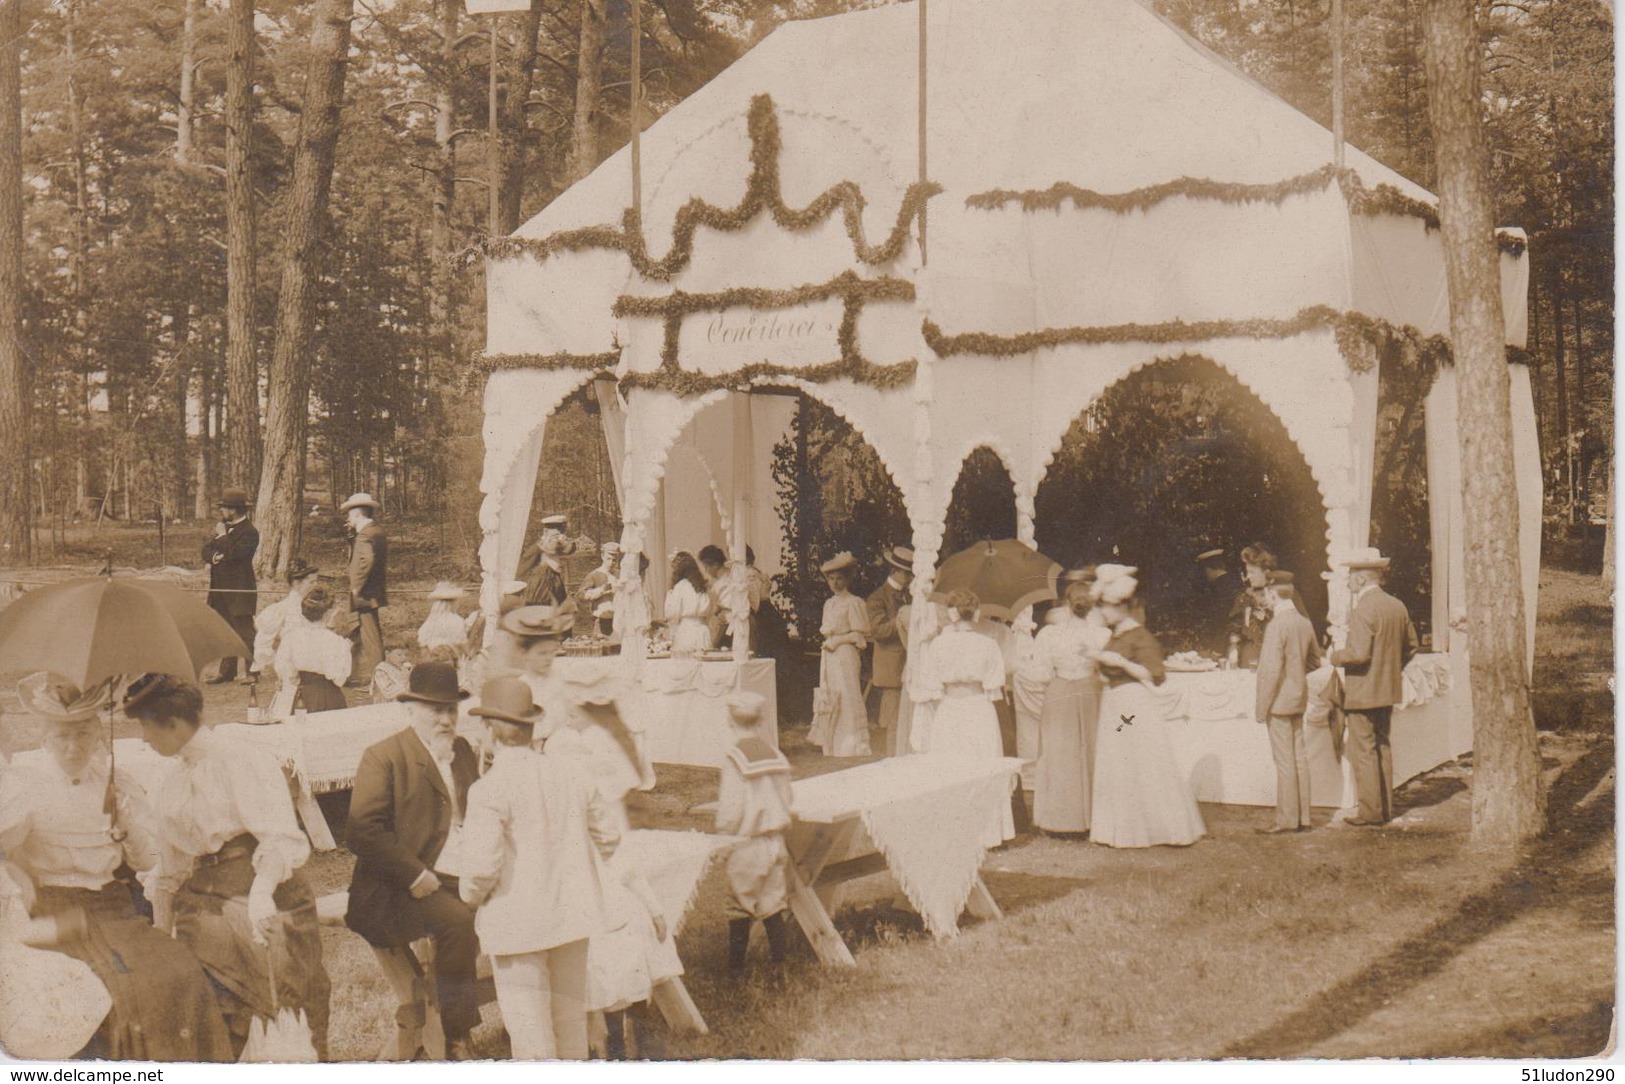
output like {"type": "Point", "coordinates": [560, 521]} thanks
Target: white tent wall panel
{"type": "Point", "coordinates": [553, 306]}
{"type": "Point", "coordinates": [1398, 274]}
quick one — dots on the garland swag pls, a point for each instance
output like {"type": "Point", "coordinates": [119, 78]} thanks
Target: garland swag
{"type": "Point", "coordinates": [1384, 199]}
{"type": "Point", "coordinates": [482, 365]}
{"type": "Point", "coordinates": [762, 193]}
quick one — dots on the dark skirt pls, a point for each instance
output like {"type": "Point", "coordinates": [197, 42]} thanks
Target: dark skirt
{"type": "Point", "coordinates": [164, 1007]}
{"type": "Point", "coordinates": [319, 693]}
{"type": "Point", "coordinates": [211, 916]}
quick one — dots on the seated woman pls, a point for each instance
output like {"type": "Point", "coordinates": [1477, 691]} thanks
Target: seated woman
{"type": "Point", "coordinates": [69, 865]}
{"type": "Point", "coordinates": [312, 660]}
{"type": "Point", "coordinates": [229, 852]}
{"type": "Point", "coordinates": [65, 856]}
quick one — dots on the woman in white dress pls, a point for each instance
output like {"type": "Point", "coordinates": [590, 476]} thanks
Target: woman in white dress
{"type": "Point", "coordinates": [311, 660]}
{"type": "Point", "coordinates": [1141, 798]}
{"type": "Point", "coordinates": [1070, 713]}
{"type": "Point", "coordinates": [271, 622]}
{"type": "Point", "coordinates": [841, 729]}
{"type": "Point", "coordinates": [963, 677]}
{"type": "Point", "coordinates": [443, 628]}
{"type": "Point", "coordinates": [688, 606]}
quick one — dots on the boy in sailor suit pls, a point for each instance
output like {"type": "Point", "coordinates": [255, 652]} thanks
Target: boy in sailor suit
{"type": "Point", "coordinates": [754, 801]}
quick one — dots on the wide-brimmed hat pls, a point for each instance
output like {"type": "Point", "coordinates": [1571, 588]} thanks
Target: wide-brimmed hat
{"type": "Point", "coordinates": [1208, 555]}
{"type": "Point", "coordinates": [433, 683]}
{"type": "Point", "coordinates": [539, 622]}
{"type": "Point", "coordinates": [839, 563]}
{"type": "Point", "coordinates": [59, 701]}
{"type": "Point", "coordinates": [446, 591]}
{"type": "Point", "coordinates": [1367, 557]}
{"type": "Point", "coordinates": [359, 500]}
{"type": "Point", "coordinates": [508, 700]}
{"type": "Point", "coordinates": [299, 568]}
{"type": "Point", "coordinates": [234, 498]}
{"type": "Point", "coordinates": [555, 520]}
{"type": "Point", "coordinates": [900, 557]}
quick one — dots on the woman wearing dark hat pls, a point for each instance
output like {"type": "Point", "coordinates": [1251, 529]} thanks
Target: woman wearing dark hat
{"type": "Point", "coordinates": [840, 718]}
{"type": "Point", "coordinates": [271, 621]}
{"type": "Point", "coordinates": [58, 839]}
{"type": "Point", "coordinates": [229, 556]}
{"type": "Point", "coordinates": [230, 852]}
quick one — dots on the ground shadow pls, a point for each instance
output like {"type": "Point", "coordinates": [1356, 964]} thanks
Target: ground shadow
{"type": "Point", "coordinates": [1539, 881]}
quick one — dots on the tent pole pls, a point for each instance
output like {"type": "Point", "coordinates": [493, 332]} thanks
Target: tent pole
{"type": "Point", "coordinates": [1337, 83]}
{"type": "Point", "coordinates": [634, 114]}
{"type": "Point", "coordinates": [921, 51]}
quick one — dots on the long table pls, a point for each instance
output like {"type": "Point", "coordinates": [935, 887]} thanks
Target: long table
{"type": "Point", "coordinates": [923, 818]}
{"type": "Point", "coordinates": [1225, 752]}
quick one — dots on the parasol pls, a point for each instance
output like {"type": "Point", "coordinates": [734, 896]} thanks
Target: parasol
{"type": "Point", "coordinates": [1007, 576]}
{"type": "Point", "coordinates": [90, 630]}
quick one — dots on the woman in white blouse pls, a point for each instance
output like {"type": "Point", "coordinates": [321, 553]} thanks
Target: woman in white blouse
{"type": "Point", "coordinates": [688, 606]}
{"type": "Point", "coordinates": [229, 853]}
{"type": "Point", "coordinates": [271, 622]}
{"type": "Point", "coordinates": [67, 862]}
{"type": "Point", "coordinates": [963, 676]}
{"type": "Point", "coordinates": [312, 659]}
{"type": "Point", "coordinates": [841, 727]}
{"type": "Point", "coordinates": [1070, 714]}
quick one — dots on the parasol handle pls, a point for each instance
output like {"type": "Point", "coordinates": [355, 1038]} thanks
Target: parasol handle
{"type": "Point", "coordinates": [115, 831]}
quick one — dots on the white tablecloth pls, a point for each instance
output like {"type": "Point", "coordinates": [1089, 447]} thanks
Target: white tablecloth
{"type": "Point", "coordinates": [680, 706]}
{"type": "Point", "coordinates": [1225, 752]}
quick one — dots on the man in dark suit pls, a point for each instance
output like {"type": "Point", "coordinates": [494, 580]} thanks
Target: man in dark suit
{"type": "Point", "coordinates": [889, 654]}
{"type": "Point", "coordinates": [1288, 654]}
{"type": "Point", "coordinates": [230, 558]}
{"type": "Point", "coordinates": [405, 828]}
{"type": "Point", "coordinates": [1381, 641]}
{"type": "Point", "coordinates": [369, 578]}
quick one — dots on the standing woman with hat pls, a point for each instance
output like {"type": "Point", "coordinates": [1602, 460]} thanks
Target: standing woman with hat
{"type": "Point", "coordinates": [230, 851]}
{"type": "Point", "coordinates": [542, 570]}
{"type": "Point", "coordinates": [229, 556]}
{"type": "Point", "coordinates": [840, 719]}
{"type": "Point", "coordinates": [369, 583]}
{"type": "Point", "coordinates": [1070, 714]}
{"type": "Point", "coordinates": [275, 619]}
{"type": "Point", "coordinates": [1140, 795]}
{"type": "Point", "coordinates": [69, 863]}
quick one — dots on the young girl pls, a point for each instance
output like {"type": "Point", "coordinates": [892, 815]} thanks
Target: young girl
{"type": "Point", "coordinates": [843, 729]}
{"type": "Point", "coordinates": [312, 659]}
{"type": "Point", "coordinates": [390, 676]}
{"type": "Point", "coordinates": [688, 606]}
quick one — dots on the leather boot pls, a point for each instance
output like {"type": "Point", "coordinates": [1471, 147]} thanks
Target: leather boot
{"type": "Point", "coordinates": [738, 946]}
{"type": "Point", "coordinates": [407, 1042]}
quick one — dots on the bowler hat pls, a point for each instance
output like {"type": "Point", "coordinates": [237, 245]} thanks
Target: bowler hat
{"type": "Point", "coordinates": [508, 700]}
{"type": "Point", "coordinates": [234, 498]}
{"type": "Point", "coordinates": [433, 683]}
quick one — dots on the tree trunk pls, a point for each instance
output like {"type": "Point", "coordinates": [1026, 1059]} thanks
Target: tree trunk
{"type": "Point", "coordinates": [203, 492]}
{"type": "Point", "coordinates": [242, 429]}
{"type": "Point", "coordinates": [514, 130]}
{"type": "Point", "coordinates": [188, 97]}
{"type": "Point", "coordinates": [445, 197]}
{"type": "Point", "coordinates": [589, 78]}
{"type": "Point", "coordinates": [175, 452]}
{"type": "Point", "coordinates": [15, 378]}
{"type": "Point", "coordinates": [1581, 486]}
{"type": "Point", "coordinates": [1608, 538]}
{"type": "Point", "coordinates": [282, 482]}
{"type": "Point", "coordinates": [1560, 365]}
{"type": "Point", "coordinates": [1508, 801]}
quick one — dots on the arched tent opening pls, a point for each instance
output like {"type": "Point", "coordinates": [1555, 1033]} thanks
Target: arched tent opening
{"type": "Point", "coordinates": [1175, 459]}
{"type": "Point", "coordinates": [1401, 511]}
{"type": "Point", "coordinates": [983, 504]}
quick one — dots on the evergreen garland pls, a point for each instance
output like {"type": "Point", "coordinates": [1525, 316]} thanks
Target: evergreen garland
{"type": "Point", "coordinates": [482, 365]}
{"type": "Point", "coordinates": [762, 192]}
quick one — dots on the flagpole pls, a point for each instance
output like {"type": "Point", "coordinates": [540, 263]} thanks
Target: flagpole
{"type": "Point", "coordinates": [1337, 83]}
{"type": "Point", "coordinates": [635, 114]}
{"type": "Point", "coordinates": [921, 51]}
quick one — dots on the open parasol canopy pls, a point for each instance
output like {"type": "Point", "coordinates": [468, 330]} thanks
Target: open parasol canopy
{"type": "Point", "coordinates": [1007, 576]}
{"type": "Point", "coordinates": [93, 629]}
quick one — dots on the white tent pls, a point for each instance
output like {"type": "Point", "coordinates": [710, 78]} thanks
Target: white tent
{"type": "Point", "coordinates": [1196, 214]}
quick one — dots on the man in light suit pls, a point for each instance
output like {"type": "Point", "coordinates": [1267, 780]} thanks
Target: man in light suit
{"type": "Point", "coordinates": [405, 830]}
{"type": "Point", "coordinates": [369, 584]}
{"type": "Point", "coordinates": [889, 653]}
{"type": "Point", "coordinates": [1285, 659]}
{"type": "Point", "coordinates": [1381, 641]}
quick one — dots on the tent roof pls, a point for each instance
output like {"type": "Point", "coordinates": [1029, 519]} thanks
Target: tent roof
{"type": "Point", "coordinates": [1104, 94]}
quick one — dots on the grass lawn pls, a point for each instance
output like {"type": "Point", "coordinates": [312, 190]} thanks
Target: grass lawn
{"type": "Point", "coordinates": [1339, 943]}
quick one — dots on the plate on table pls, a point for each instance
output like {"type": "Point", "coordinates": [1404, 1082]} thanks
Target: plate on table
{"type": "Point", "coordinates": [1188, 662]}
{"type": "Point", "coordinates": [716, 656]}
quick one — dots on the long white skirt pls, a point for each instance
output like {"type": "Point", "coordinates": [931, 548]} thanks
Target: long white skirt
{"type": "Point", "coordinates": [1141, 797]}
{"type": "Point", "coordinates": [967, 725]}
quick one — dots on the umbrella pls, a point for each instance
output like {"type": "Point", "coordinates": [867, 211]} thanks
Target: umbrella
{"type": "Point", "coordinates": [1007, 576]}
{"type": "Point", "coordinates": [90, 630]}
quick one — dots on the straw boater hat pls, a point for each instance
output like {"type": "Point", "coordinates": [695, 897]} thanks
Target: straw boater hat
{"type": "Point", "coordinates": [446, 591]}
{"type": "Point", "coordinates": [839, 563]}
{"type": "Point", "coordinates": [508, 700]}
{"type": "Point", "coordinates": [234, 498]}
{"type": "Point", "coordinates": [900, 557]}
{"type": "Point", "coordinates": [556, 520]}
{"type": "Point", "coordinates": [1209, 555]}
{"type": "Point", "coordinates": [433, 683]}
{"type": "Point", "coordinates": [539, 622]}
{"type": "Point", "coordinates": [58, 701]}
{"type": "Point", "coordinates": [359, 500]}
{"type": "Point", "coordinates": [1368, 557]}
